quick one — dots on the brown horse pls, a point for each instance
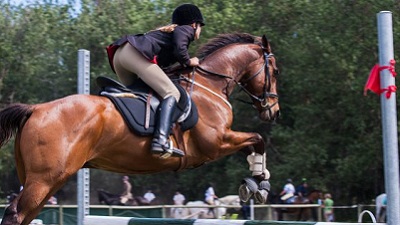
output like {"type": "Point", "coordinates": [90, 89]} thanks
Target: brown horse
{"type": "Point", "coordinates": [301, 213]}
{"type": "Point", "coordinates": [115, 199]}
{"type": "Point", "coordinates": [56, 139]}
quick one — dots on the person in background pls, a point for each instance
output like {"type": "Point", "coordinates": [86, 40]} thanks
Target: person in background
{"type": "Point", "coordinates": [327, 205]}
{"type": "Point", "coordinates": [287, 194]}
{"type": "Point", "coordinates": [144, 55]}
{"type": "Point", "coordinates": [149, 196]}
{"type": "Point", "coordinates": [302, 190]}
{"type": "Point", "coordinates": [179, 199]}
{"type": "Point", "coordinates": [209, 197]}
{"type": "Point", "coordinates": [127, 193]}
{"type": "Point", "coordinates": [245, 209]}
{"type": "Point", "coordinates": [52, 201]}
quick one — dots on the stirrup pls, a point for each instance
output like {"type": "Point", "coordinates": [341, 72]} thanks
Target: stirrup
{"type": "Point", "coordinates": [167, 151]}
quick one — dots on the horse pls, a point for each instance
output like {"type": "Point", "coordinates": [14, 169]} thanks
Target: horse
{"type": "Point", "coordinates": [381, 208]}
{"type": "Point", "coordinates": [53, 140]}
{"type": "Point", "coordinates": [301, 213]}
{"type": "Point", "coordinates": [203, 211]}
{"type": "Point", "coordinates": [115, 199]}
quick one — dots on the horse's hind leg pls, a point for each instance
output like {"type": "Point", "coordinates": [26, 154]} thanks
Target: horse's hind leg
{"type": "Point", "coordinates": [28, 203]}
{"type": "Point", "coordinates": [41, 176]}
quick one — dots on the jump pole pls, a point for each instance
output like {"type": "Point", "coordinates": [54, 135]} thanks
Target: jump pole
{"type": "Point", "coordinates": [114, 220]}
{"type": "Point", "coordinates": [389, 119]}
{"type": "Point", "coordinates": [83, 179]}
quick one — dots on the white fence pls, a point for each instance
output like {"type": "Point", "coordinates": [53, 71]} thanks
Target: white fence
{"type": "Point", "coordinates": [67, 214]}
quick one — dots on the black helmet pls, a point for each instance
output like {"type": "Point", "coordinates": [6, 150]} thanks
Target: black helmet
{"type": "Point", "coordinates": [187, 14]}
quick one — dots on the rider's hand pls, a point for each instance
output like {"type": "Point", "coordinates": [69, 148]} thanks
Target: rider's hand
{"type": "Point", "coordinates": [194, 61]}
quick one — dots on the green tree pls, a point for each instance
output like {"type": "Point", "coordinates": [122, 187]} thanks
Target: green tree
{"type": "Point", "coordinates": [328, 132]}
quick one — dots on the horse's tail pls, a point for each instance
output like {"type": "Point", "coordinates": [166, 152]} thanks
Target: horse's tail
{"type": "Point", "coordinates": [12, 119]}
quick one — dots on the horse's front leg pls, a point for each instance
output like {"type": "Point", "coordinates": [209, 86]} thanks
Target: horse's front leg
{"type": "Point", "coordinates": [252, 144]}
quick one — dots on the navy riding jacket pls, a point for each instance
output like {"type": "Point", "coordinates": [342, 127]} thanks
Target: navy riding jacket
{"type": "Point", "coordinates": [160, 47]}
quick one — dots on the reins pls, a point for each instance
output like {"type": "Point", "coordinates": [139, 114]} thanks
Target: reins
{"type": "Point", "coordinates": [193, 82]}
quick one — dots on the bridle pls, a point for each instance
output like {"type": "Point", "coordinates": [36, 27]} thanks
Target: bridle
{"type": "Point", "coordinates": [263, 98]}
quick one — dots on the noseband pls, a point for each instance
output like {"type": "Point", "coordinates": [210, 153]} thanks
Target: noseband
{"type": "Point", "coordinates": [263, 98]}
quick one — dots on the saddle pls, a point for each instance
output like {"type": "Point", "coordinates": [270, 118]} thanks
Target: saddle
{"type": "Point", "coordinates": [138, 105]}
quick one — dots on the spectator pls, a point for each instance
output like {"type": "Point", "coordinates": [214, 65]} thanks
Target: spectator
{"type": "Point", "coordinates": [179, 199]}
{"type": "Point", "coordinates": [52, 201]}
{"type": "Point", "coordinates": [245, 210]}
{"type": "Point", "coordinates": [149, 196]}
{"type": "Point", "coordinates": [127, 193]}
{"type": "Point", "coordinates": [381, 216]}
{"type": "Point", "coordinates": [210, 196]}
{"type": "Point", "coordinates": [327, 205]}
{"type": "Point", "coordinates": [288, 192]}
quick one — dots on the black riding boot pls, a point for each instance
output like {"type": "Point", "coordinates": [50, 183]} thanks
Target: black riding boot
{"type": "Point", "coordinates": [160, 143]}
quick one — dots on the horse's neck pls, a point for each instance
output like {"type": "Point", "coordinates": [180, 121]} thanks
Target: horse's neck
{"type": "Point", "coordinates": [312, 197]}
{"type": "Point", "coordinates": [226, 64]}
{"type": "Point", "coordinates": [217, 86]}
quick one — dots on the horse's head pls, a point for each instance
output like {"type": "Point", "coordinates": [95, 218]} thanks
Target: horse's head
{"type": "Point", "coordinates": [314, 195]}
{"type": "Point", "coordinates": [248, 61]}
{"type": "Point", "coordinates": [260, 82]}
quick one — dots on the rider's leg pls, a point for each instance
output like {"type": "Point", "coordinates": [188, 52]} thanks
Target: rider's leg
{"type": "Point", "coordinates": [129, 63]}
{"type": "Point", "coordinates": [163, 126]}
{"type": "Point", "coordinates": [128, 59]}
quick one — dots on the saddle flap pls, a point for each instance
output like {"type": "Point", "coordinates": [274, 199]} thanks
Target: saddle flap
{"type": "Point", "coordinates": [139, 112]}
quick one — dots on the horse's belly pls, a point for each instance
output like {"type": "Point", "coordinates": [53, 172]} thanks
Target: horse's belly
{"type": "Point", "coordinates": [134, 161]}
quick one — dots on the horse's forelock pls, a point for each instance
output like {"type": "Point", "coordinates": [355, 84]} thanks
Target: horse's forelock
{"type": "Point", "coordinates": [223, 40]}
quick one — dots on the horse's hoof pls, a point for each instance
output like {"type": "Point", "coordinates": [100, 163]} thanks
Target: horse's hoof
{"type": "Point", "coordinates": [261, 196]}
{"type": "Point", "coordinates": [244, 193]}
{"type": "Point", "coordinates": [246, 190]}
{"type": "Point", "coordinates": [265, 185]}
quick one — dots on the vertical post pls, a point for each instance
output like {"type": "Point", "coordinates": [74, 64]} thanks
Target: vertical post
{"type": "Point", "coordinates": [389, 119]}
{"type": "Point", "coordinates": [251, 209]}
{"type": "Point", "coordinates": [83, 174]}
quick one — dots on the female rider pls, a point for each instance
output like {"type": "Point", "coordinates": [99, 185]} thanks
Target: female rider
{"type": "Point", "coordinates": [143, 55]}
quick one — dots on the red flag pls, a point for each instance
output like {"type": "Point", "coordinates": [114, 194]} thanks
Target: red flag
{"type": "Point", "coordinates": [373, 82]}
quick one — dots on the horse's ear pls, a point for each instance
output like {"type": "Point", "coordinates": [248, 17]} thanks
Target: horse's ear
{"type": "Point", "coordinates": [265, 44]}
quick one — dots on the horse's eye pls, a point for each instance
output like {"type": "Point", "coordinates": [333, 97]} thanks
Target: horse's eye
{"type": "Point", "coordinates": [276, 72]}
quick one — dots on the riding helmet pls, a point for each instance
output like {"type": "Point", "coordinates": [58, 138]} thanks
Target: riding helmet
{"type": "Point", "coordinates": [186, 14]}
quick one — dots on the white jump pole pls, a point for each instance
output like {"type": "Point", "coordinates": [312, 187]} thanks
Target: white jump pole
{"type": "Point", "coordinates": [83, 174]}
{"type": "Point", "coordinates": [389, 119]}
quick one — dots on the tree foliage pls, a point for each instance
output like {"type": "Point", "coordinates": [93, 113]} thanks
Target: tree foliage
{"type": "Point", "coordinates": [328, 132]}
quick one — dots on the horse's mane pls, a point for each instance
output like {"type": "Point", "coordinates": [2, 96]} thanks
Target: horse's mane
{"type": "Point", "coordinates": [223, 40]}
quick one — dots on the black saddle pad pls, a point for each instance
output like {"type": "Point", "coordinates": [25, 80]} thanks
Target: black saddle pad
{"type": "Point", "coordinates": [137, 113]}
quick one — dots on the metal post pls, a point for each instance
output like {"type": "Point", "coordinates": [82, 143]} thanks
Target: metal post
{"type": "Point", "coordinates": [389, 119]}
{"type": "Point", "coordinates": [83, 174]}
{"type": "Point", "coordinates": [251, 209]}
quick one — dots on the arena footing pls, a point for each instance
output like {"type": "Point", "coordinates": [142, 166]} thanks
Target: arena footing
{"type": "Point", "coordinates": [113, 220]}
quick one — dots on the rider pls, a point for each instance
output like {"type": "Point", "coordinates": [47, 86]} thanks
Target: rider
{"type": "Point", "coordinates": [127, 193]}
{"type": "Point", "coordinates": [302, 189]}
{"type": "Point", "coordinates": [288, 192]}
{"type": "Point", "coordinates": [143, 56]}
